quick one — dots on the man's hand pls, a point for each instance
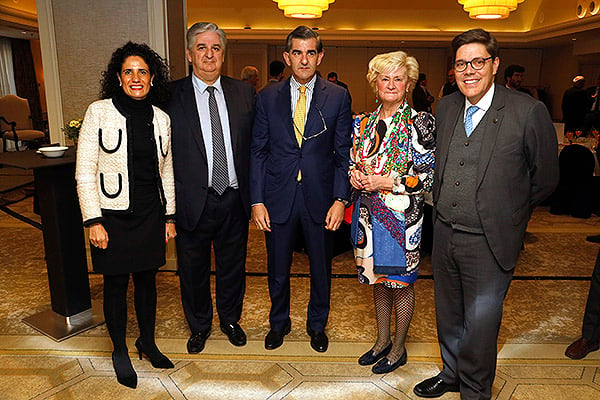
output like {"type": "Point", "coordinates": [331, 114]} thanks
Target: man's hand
{"type": "Point", "coordinates": [335, 216]}
{"type": "Point", "coordinates": [98, 236]}
{"type": "Point", "coordinates": [260, 217]}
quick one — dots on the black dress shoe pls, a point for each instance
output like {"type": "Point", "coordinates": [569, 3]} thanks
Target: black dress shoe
{"type": "Point", "coordinates": [274, 338]}
{"type": "Point", "coordinates": [384, 365]}
{"type": "Point", "coordinates": [370, 357]}
{"type": "Point", "coordinates": [235, 333]}
{"type": "Point", "coordinates": [434, 387]}
{"type": "Point", "coordinates": [197, 341]}
{"type": "Point", "coordinates": [318, 340]}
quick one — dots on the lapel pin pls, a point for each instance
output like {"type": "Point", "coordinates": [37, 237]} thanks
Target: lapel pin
{"type": "Point", "coordinates": [495, 120]}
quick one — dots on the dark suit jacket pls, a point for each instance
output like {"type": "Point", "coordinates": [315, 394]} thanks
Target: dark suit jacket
{"type": "Point", "coordinates": [189, 154]}
{"type": "Point", "coordinates": [276, 157]}
{"type": "Point", "coordinates": [422, 99]}
{"type": "Point", "coordinates": [518, 165]}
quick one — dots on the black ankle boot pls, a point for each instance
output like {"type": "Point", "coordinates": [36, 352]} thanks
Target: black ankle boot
{"type": "Point", "coordinates": [126, 375]}
{"type": "Point", "coordinates": [157, 359]}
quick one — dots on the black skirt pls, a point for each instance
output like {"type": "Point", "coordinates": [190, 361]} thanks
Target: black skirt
{"type": "Point", "coordinates": [136, 241]}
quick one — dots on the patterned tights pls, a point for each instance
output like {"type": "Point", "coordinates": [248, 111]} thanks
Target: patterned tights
{"type": "Point", "coordinates": [403, 300]}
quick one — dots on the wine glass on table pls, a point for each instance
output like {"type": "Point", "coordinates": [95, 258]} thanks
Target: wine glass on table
{"type": "Point", "coordinates": [569, 136]}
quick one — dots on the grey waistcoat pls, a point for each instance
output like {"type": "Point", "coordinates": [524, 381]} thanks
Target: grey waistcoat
{"type": "Point", "coordinates": [456, 205]}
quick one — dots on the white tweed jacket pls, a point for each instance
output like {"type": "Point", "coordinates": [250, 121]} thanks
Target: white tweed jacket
{"type": "Point", "coordinates": [102, 171]}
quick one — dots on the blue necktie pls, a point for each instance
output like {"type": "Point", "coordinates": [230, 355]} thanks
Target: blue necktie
{"type": "Point", "coordinates": [469, 119]}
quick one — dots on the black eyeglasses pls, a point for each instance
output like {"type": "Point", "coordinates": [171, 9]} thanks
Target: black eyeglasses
{"type": "Point", "coordinates": [477, 63]}
{"type": "Point", "coordinates": [316, 134]}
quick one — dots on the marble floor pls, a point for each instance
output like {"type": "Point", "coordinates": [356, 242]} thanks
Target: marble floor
{"type": "Point", "coordinates": [542, 315]}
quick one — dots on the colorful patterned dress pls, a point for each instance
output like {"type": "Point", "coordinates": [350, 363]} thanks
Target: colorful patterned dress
{"type": "Point", "coordinates": [386, 226]}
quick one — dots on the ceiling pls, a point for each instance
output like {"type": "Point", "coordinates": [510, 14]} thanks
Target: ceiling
{"type": "Point", "coordinates": [414, 22]}
{"type": "Point", "coordinates": [537, 23]}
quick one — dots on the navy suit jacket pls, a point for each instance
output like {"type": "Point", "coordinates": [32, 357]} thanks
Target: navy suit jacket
{"type": "Point", "coordinates": [276, 157]}
{"type": "Point", "coordinates": [189, 154]}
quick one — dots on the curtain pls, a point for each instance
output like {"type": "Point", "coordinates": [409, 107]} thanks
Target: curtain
{"type": "Point", "coordinates": [26, 82]}
{"type": "Point", "coordinates": [7, 76]}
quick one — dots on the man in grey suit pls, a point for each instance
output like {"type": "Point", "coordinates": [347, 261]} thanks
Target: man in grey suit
{"type": "Point", "coordinates": [496, 159]}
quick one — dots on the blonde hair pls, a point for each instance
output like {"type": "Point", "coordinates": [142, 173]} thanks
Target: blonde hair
{"type": "Point", "coordinates": [388, 62]}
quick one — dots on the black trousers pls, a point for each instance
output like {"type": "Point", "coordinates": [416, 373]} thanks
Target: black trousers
{"type": "Point", "coordinates": [591, 318]}
{"type": "Point", "coordinates": [224, 226]}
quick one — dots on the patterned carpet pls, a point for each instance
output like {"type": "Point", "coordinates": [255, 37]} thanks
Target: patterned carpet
{"type": "Point", "coordinates": [543, 313]}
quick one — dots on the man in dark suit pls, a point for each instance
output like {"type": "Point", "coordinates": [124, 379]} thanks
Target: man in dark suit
{"type": "Point", "coordinates": [496, 159]}
{"type": "Point", "coordinates": [592, 118]}
{"type": "Point", "coordinates": [422, 99]}
{"type": "Point", "coordinates": [299, 179]}
{"type": "Point", "coordinates": [575, 105]}
{"type": "Point", "coordinates": [211, 120]}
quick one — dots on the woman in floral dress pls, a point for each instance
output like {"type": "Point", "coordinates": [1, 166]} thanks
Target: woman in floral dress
{"type": "Point", "coordinates": [391, 169]}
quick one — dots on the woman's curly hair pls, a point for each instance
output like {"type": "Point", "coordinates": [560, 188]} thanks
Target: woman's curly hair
{"type": "Point", "coordinates": [159, 91]}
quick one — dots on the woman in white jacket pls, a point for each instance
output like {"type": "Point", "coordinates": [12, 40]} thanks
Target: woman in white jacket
{"type": "Point", "coordinates": [126, 193]}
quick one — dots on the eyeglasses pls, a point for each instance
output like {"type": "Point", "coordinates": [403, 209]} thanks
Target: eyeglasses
{"type": "Point", "coordinates": [477, 63]}
{"type": "Point", "coordinates": [316, 134]}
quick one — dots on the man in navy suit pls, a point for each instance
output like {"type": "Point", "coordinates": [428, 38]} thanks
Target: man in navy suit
{"type": "Point", "coordinates": [211, 120]}
{"type": "Point", "coordinates": [299, 179]}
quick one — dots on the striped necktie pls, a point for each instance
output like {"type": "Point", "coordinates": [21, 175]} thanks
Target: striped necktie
{"type": "Point", "coordinates": [220, 174]}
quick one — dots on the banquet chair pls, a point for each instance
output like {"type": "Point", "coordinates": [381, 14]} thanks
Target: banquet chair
{"type": "Point", "coordinates": [16, 123]}
{"type": "Point", "coordinates": [575, 193]}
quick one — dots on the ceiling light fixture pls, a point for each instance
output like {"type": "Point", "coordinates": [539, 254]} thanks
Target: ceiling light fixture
{"type": "Point", "coordinates": [489, 9]}
{"type": "Point", "coordinates": [303, 8]}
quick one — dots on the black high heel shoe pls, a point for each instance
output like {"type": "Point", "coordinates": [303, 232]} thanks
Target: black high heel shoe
{"type": "Point", "coordinates": [157, 359]}
{"type": "Point", "coordinates": [370, 357]}
{"type": "Point", "coordinates": [126, 375]}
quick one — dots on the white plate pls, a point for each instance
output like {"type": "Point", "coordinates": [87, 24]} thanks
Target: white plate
{"type": "Point", "coordinates": [53, 152]}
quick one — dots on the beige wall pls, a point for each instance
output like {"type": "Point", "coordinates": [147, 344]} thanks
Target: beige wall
{"type": "Point", "coordinates": [83, 49]}
{"type": "Point", "coordinates": [351, 65]}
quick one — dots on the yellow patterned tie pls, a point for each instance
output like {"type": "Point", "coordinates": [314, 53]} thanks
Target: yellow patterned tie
{"type": "Point", "coordinates": [299, 117]}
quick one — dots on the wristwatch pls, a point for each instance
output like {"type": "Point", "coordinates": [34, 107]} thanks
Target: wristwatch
{"type": "Point", "coordinates": [344, 201]}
